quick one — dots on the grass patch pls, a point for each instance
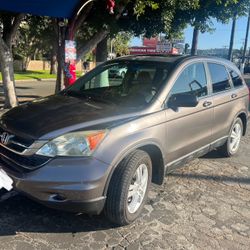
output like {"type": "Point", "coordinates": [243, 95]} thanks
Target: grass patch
{"type": "Point", "coordinates": [35, 75]}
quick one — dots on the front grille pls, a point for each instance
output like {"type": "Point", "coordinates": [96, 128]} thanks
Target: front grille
{"type": "Point", "coordinates": [22, 162]}
{"type": "Point", "coordinates": [17, 143]}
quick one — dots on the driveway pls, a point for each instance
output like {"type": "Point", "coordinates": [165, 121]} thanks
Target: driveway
{"type": "Point", "coordinates": [205, 205]}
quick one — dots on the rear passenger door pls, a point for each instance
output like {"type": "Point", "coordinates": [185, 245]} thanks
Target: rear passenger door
{"type": "Point", "coordinates": [225, 98]}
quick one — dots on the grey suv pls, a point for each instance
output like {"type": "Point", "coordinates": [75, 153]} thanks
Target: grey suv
{"type": "Point", "coordinates": [100, 143]}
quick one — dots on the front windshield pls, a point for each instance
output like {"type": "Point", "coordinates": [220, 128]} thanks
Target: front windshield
{"type": "Point", "coordinates": [123, 83]}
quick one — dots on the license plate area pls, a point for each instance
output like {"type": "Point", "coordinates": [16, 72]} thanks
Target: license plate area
{"type": "Point", "coordinates": [5, 181]}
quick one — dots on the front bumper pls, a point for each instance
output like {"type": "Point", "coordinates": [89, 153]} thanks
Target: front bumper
{"type": "Point", "coordinates": [71, 184]}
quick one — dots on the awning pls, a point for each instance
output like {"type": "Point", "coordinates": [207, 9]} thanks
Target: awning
{"type": "Point", "coordinates": [52, 8]}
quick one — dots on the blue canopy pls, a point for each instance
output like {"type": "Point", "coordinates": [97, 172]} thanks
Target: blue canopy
{"type": "Point", "coordinates": [52, 8]}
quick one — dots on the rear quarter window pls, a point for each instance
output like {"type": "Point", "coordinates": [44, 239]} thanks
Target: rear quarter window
{"type": "Point", "coordinates": [219, 77]}
{"type": "Point", "coordinates": [236, 79]}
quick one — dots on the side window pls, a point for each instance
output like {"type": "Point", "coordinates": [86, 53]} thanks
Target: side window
{"type": "Point", "coordinates": [236, 79]}
{"type": "Point", "coordinates": [219, 77]}
{"type": "Point", "coordinates": [192, 80]}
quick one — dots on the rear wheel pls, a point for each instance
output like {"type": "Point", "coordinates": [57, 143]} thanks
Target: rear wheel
{"type": "Point", "coordinates": [128, 188]}
{"type": "Point", "coordinates": [232, 144]}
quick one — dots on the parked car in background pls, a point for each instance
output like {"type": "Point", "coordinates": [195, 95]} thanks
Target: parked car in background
{"type": "Point", "coordinates": [98, 145]}
{"type": "Point", "coordinates": [117, 72]}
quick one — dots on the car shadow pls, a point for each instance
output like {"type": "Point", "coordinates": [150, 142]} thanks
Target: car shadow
{"type": "Point", "coordinates": [212, 155]}
{"type": "Point", "coordinates": [20, 214]}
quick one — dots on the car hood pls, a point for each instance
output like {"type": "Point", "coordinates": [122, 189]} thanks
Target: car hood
{"type": "Point", "coordinates": [52, 116]}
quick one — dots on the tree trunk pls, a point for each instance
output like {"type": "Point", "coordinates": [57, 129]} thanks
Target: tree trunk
{"type": "Point", "coordinates": [7, 71]}
{"type": "Point", "coordinates": [26, 63]}
{"type": "Point", "coordinates": [53, 58]}
{"type": "Point", "coordinates": [230, 52]}
{"type": "Point", "coordinates": [61, 33]}
{"type": "Point", "coordinates": [9, 29]}
{"type": "Point", "coordinates": [91, 44]}
{"type": "Point", "coordinates": [60, 75]}
{"type": "Point", "coordinates": [102, 51]}
{"type": "Point", "coordinates": [195, 41]}
{"type": "Point", "coordinates": [60, 62]}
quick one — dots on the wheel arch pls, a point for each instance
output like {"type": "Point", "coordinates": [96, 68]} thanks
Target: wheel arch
{"type": "Point", "coordinates": [243, 117]}
{"type": "Point", "coordinates": [155, 152]}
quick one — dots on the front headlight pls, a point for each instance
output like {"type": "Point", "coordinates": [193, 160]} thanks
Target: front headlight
{"type": "Point", "coordinates": [73, 144]}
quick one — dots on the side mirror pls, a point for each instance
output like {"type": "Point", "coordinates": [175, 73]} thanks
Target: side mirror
{"type": "Point", "coordinates": [182, 100]}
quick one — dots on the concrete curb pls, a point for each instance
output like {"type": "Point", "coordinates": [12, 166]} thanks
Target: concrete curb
{"type": "Point", "coordinates": [37, 80]}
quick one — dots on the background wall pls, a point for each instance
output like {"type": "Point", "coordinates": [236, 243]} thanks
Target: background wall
{"type": "Point", "coordinates": [45, 65]}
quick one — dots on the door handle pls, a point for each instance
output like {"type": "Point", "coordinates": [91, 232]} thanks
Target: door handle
{"type": "Point", "coordinates": [207, 104]}
{"type": "Point", "coordinates": [234, 96]}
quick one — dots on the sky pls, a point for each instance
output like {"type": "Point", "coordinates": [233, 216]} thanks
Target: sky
{"type": "Point", "coordinates": [218, 38]}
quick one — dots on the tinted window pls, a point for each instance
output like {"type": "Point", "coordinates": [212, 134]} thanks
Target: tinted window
{"type": "Point", "coordinates": [219, 77]}
{"type": "Point", "coordinates": [237, 81]}
{"type": "Point", "coordinates": [191, 81]}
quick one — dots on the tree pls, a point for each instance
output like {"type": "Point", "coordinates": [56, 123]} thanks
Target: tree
{"type": "Point", "coordinates": [202, 17]}
{"type": "Point", "coordinates": [36, 39]}
{"type": "Point", "coordinates": [9, 27]}
{"type": "Point", "coordinates": [149, 18]}
{"type": "Point", "coordinates": [120, 43]}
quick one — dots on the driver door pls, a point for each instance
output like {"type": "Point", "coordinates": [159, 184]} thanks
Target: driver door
{"type": "Point", "coordinates": [189, 129]}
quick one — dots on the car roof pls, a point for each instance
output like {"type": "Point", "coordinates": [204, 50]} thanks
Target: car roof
{"type": "Point", "coordinates": [173, 59]}
{"type": "Point", "coordinates": [152, 58]}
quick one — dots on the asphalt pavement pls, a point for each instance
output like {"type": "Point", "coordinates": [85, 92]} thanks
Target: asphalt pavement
{"type": "Point", "coordinates": [30, 90]}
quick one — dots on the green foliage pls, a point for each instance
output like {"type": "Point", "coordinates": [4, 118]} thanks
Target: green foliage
{"type": "Point", "coordinates": [139, 17]}
{"type": "Point", "coordinates": [221, 10]}
{"type": "Point", "coordinates": [35, 37]}
{"type": "Point", "coordinates": [120, 43]}
{"type": "Point", "coordinates": [141, 5]}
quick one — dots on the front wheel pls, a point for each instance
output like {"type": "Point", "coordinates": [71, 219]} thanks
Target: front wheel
{"type": "Point", "coordinates": [128, 188]}
{"type": "Point", "coordinates": [232, 144]}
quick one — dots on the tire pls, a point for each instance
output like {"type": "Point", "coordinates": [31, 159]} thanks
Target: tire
{"type": "Point", "coordinates": [120, 208]}
{"type": "Point", "coordinates": [227, 150]}
{"type": "Point", "coordinates": [122, 75]}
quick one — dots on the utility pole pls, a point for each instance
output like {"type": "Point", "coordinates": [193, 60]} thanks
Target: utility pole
{"type": "Point", "coordinates": [245, 44]}
{"type": "Point", "coordinates": [230, 52]}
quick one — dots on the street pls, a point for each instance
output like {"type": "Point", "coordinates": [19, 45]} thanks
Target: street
{"type": "Point", "coordinates": [29, 90]}
{"type": "Point", "coordinates": [204, 205]}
